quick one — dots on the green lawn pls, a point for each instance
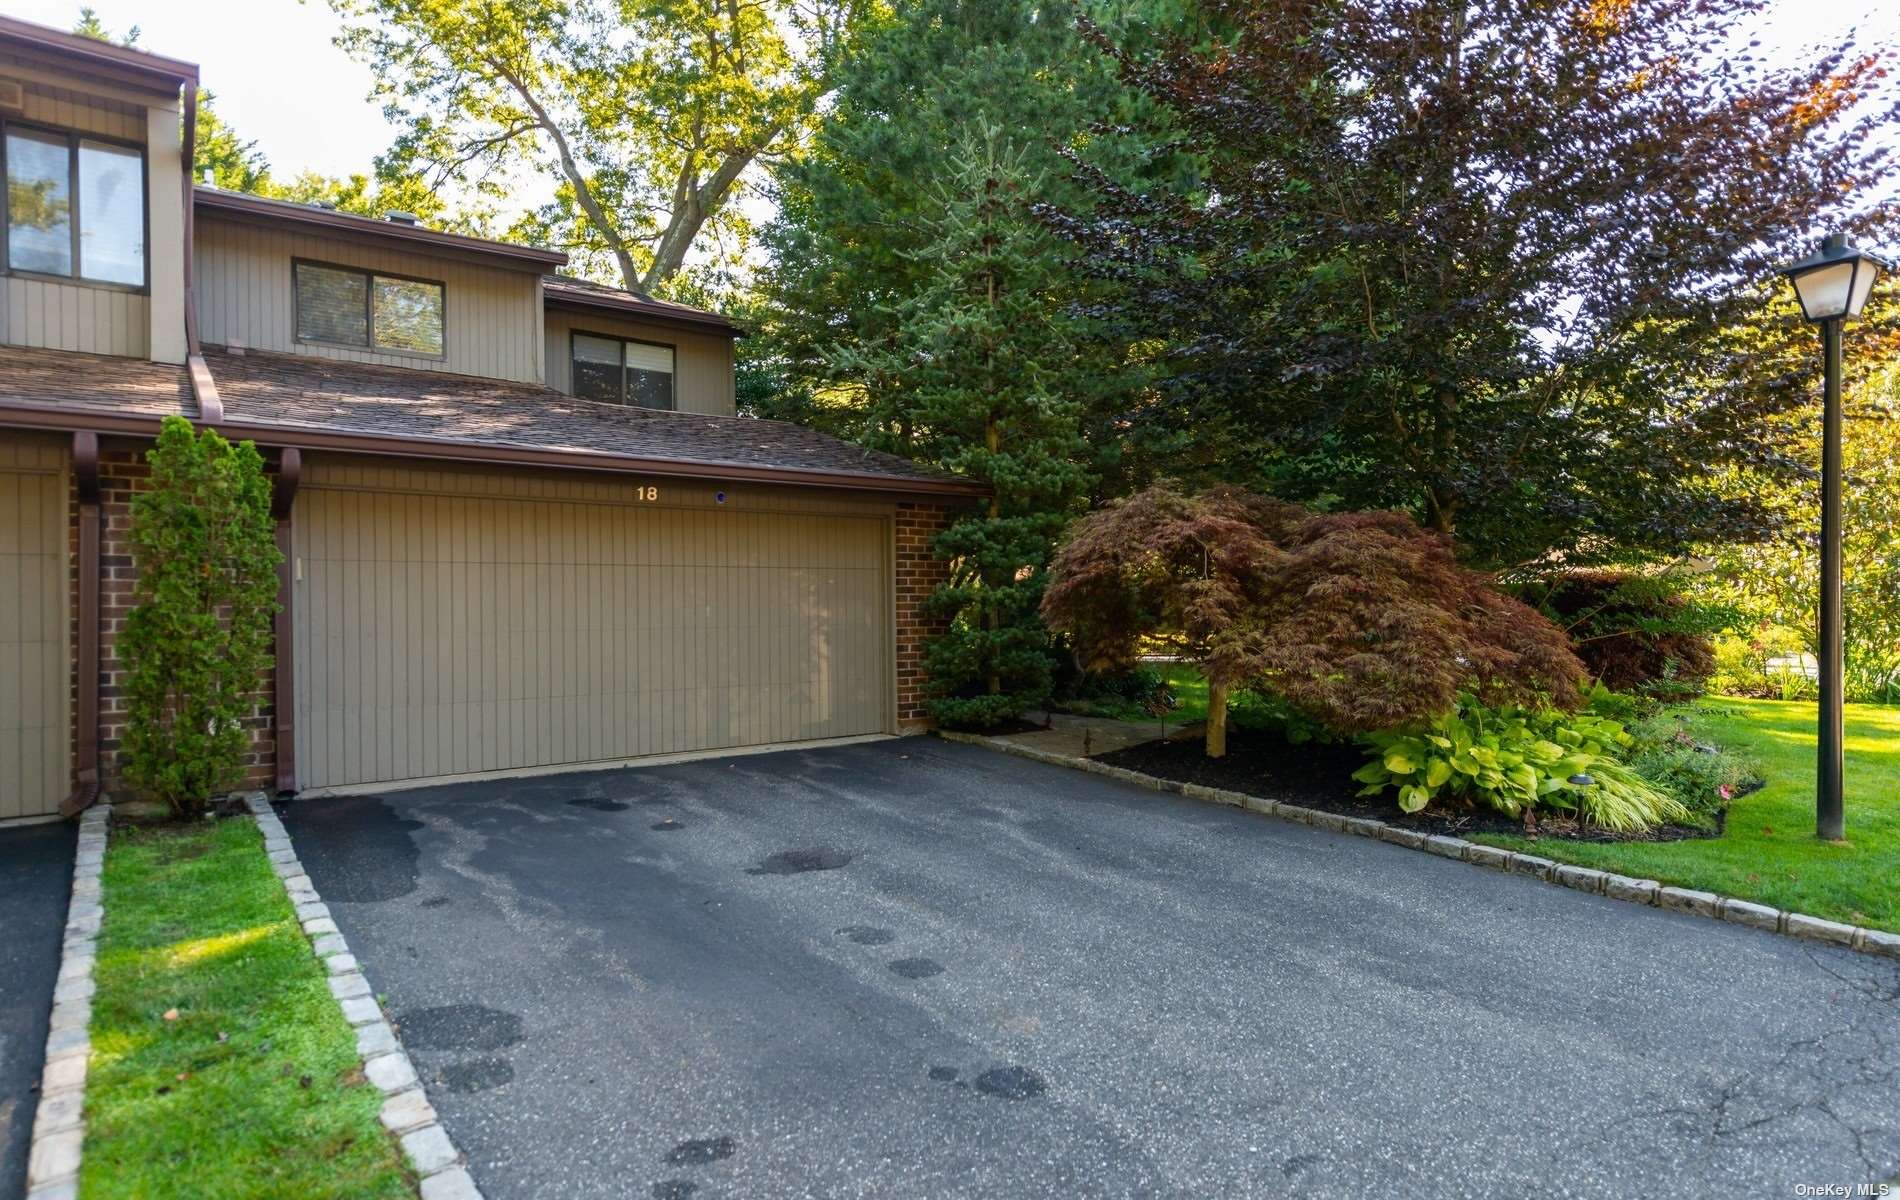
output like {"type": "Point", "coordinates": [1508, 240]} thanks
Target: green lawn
{"type": "Point", "coordinates": [1769, 853]}
{"type": "Point", "coordinates": [254, 1088]}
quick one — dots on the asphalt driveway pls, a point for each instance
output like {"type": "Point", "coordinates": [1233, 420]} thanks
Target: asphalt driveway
{"type": "Point", "coordinates": [913, 968]}
{"type": "Point", "coordinates": [36, 877]}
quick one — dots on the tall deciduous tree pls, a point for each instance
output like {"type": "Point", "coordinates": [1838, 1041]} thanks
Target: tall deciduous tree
{"type": "Point", "coordinates": [647, 113]}
{"type": "Point", "coordinates": [1497, 262]}
{"type": "Point", "coordinates": [1778, 581]}
{"type": "Point", "coordinates": [974, 377]}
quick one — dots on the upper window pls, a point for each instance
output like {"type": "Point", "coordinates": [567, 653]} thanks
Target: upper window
{"type": "Point", "coordinates": [620, 371]}
{"type": "Point", "coordinates": [350, 307]}
{"type": "Point", "coordinates": [75, 207]}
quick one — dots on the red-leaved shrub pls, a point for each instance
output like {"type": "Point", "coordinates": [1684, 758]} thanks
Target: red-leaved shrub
{"type": "Point", "coordinates": [1364, 621]}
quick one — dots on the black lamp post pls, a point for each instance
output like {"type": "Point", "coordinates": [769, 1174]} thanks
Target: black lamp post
{"type": "Point", "coordinates": [1832, 285]}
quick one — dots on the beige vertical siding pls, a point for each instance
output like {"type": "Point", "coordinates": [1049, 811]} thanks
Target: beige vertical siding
{"type": "Point", "coordinates": [443, 631]}
{"type": "Point", "coordinates": [34, 657]}
{"type": "Point", "coordinates": [702, 362]}
{"type": "Point", "coordinates": [75, 316]}
{"type": "Point", "coordinates": [491, 316]}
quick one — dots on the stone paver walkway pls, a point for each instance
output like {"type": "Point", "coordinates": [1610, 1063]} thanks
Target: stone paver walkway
{"type": "Point", "coordinates": [1088, 737]}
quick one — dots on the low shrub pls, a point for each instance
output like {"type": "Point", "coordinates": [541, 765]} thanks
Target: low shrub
{"type": "Point", "coordinates": [1635, 632]}
{"type": "Point", "coordinates": [1705, 777]}
{"type": "Point", "coordinates": [1764, 664]}
{"type": "Point", "coordinates": [1518, 760]}
{"type": "Point", "coordinates": [1139, 688]}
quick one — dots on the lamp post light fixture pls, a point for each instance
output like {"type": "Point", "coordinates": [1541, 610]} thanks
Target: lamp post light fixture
{"type": "Point", "coordinates": [1832, 285]}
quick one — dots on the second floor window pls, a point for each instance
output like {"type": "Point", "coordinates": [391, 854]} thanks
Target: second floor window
{"type": "Point", "coordinates": [348, 307]}
{"type": "Point", "coordinates": [620, 371]}
{"type": "Point", "coordinates": [75, 207]}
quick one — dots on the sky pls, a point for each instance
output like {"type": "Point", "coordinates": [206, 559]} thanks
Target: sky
{"type": "Point", "coordinates": [280, 81]}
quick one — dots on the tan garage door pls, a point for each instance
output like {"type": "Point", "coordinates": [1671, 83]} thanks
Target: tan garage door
{"type": "Point", "coordinates": [34, 662]}
{"type": "Point", "coordinates": [451, 634]}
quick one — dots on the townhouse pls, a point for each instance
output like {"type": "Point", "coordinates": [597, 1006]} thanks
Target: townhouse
{"type": "Point", "coordinates": [523, 526]}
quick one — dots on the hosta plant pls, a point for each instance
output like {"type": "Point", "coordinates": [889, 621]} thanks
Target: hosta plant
{"type": "Point", "coordinates": [1517, 760]}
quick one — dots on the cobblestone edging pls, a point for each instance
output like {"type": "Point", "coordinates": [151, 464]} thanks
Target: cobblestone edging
{"type": "Point", "coordinates": [1582, 879]}
{"type": "Point", "coordinates": [407, 1113]}
{"type": "Point", "coordinates": [59, 1124]}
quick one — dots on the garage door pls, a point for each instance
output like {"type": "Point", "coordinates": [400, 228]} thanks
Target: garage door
{"type": "Point", "coordinates": [34, 663]}
{"type": "Point", "coordinates": [451, 634]}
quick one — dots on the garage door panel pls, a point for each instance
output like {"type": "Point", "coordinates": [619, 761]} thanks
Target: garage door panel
{"type": "Point", "coordinates": [35, 655]}
{"type": "Point", "coordinates": [444, 635]}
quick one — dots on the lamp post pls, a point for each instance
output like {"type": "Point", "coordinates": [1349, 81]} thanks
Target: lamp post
{"type": "Point", "coordinates": [1832, 285]}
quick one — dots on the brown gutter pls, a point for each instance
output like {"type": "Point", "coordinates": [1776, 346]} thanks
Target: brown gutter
{"type": "Point", "coordinates": [66, 417]}
{"type": "Point", "coordinates": [210, 407]}
{"type": "Point", "coordinates": [110, 63]}
{"type": "Point", "coordinates": [283, 495]}
{"type": "Point", "coordinates": [86, 682]}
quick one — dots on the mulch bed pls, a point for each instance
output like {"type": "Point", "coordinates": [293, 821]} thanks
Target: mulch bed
{"type": "Point", "coordinates": [1317, 775]}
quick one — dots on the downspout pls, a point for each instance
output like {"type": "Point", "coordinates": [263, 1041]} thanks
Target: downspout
{"type": "Point", "coordinates": [289, 475]}
{"type": "Point", "coordinates": [86, 686]}
{"type": "Point", "coordinates": [210, 408]}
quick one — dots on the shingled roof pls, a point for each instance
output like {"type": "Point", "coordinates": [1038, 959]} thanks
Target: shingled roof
{"type": "Point", "coordinates": [64, 378]}
{"type": "Point", "coordinates": [299, 392]}
{"type": "Point", "coordinates": [320, 403]}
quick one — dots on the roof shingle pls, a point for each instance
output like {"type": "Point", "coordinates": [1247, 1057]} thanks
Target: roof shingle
{"type": "Point", "coordinates": [295, 391]}
{"type": "Point", "coordinates": [95, 381]}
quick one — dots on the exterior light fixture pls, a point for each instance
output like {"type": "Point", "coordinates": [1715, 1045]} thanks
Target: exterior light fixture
{"type": "Point", "coordinates": [1832, 285]}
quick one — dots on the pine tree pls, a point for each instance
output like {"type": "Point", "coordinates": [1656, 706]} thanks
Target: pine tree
{"type": "Point", "coordinates": [974, 378]}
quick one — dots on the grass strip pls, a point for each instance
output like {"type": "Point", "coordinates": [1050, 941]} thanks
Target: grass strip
{"type": "Point", "coordinates": [221, 1065]}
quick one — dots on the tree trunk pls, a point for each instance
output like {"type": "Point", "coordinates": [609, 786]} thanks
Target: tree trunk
{"type": "Point", "coordinates": [1216, 720]}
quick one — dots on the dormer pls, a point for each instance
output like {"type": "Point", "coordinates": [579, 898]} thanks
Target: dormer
{"type": "Point", "coordinates": [291, 278]}
{"type": "Point", "coordinates": [94, 256]}
{"type": "Point", "coordinates": [620, 347]}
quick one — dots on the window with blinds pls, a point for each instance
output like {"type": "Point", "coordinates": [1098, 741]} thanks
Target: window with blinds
{"type": "Point", "coordinates": [349, 307]}
{"type": "Point", "coordinates": [622, 371]}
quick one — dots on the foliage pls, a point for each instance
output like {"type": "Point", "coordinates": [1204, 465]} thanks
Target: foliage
{"type": "Point", "coordinates": [1505, 266]}
{"type": "Point", "coordinates": [1635, 631]}
{"type": "Point", "coordinates": [646, 113]}
{"type": "Point", "coordinates": [255, 1088]}
{"type": "Point", "coordinates": [1777, 582]}
{"type": "Point", "coordinates": [1768, 852]}
{"type": "Point", "coordinates": [1766, 662]}
{"type": "Point", "coordinates": [222, 155]}
{"type": "Point", "coordinates": [978, 351]}
{"type": "Point", "coordinates": [1705, 777]}
{"type": "Point", "coordinates": [1130, 692]}
{"type": "Point", "coordinates": [1362, 621]}
{"type": "Point", "coordinates": [855, 209]}
{"type": "Point", "coordinates": [1517, 761]}
{"type": "Point", "coordinates": [197, 640]}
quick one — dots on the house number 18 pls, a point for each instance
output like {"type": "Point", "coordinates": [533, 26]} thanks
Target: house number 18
{"type": "Point", "coordinates": [646, 493]}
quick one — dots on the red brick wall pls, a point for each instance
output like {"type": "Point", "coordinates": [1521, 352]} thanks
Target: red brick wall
{"type": "Point", "coordinates": [122, 472]}
{"type": "Point", "coordinates": [919, 571]}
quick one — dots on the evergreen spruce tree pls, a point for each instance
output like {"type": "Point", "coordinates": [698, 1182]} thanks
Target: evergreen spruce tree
{"type": "Point", "coordinates": [975, 373]}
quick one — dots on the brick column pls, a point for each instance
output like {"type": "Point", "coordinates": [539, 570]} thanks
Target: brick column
{"type": "Point", "coordinates": [123, 472]}
{"type": "Point", "coordinates": [919, 571]}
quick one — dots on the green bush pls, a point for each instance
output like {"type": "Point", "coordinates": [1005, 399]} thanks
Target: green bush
{"type": "Point", "coordinates": [1756, 664]}
{"type": "Point", "coordinates": [1635, 632]}
{"type": "Point", "coordinates": [1704, 777]}
{"type": "Point", "coordinates": [1516, 761]}
{"type": "Point", "coordinates": [197, 641]}
{"type": "Point", "coordinates": [1137, 690]}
